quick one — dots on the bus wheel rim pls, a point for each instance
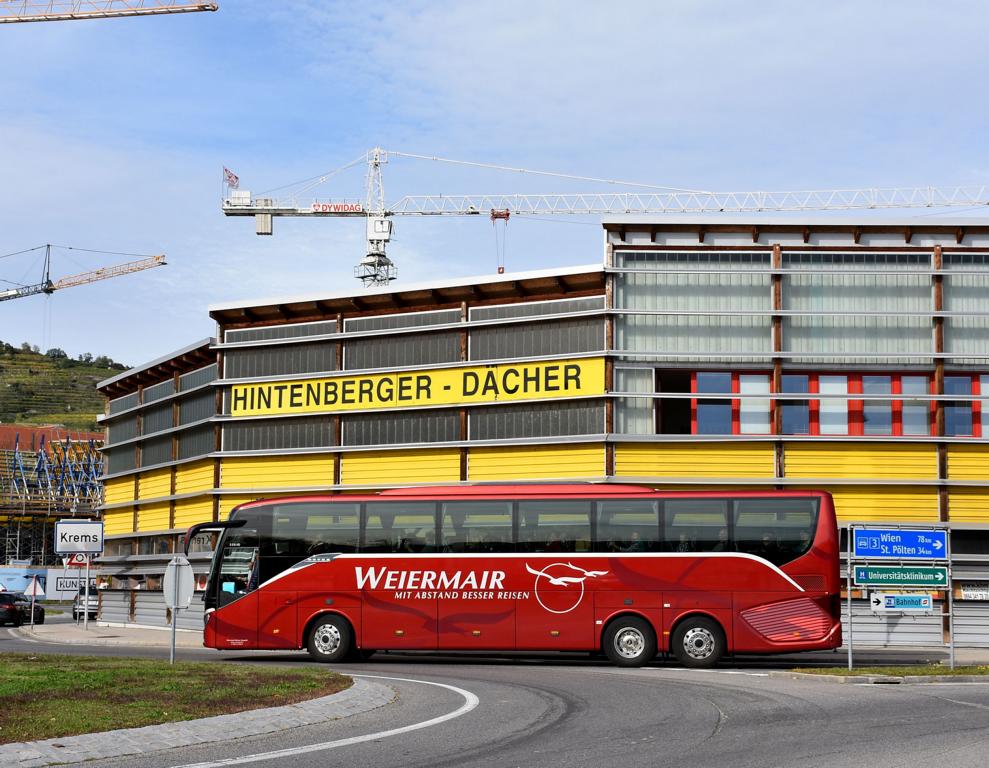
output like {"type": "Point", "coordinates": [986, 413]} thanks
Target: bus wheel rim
{"type": "Point", "coordinates": [699, 642]}
{"type": "Point", "coordinates": [629, 643]}
{"type": "Point", "coordinates": [327, 638]}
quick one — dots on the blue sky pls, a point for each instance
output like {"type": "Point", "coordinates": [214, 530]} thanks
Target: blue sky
{"type": "Point", "coordinates": [113, 133]}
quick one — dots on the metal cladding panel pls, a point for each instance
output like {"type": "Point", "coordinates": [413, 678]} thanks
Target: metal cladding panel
{"type": "Point", "coordinates": [884, 503]}
{"type": "Point", "coordinates": [152, 485]}
{"type": "Point", "coordinates": [158, 391]}
{"type": "Point", "coordinates": [276, 434]}
{"type": "Point", "coordinates": [846, 290]}
{"type": "Point", "coordinates": [411, 427]}
{"type": "Point", "coordinates": [197, 407]}
{"type": "Point", "coordinates": [714, 460]}
{"type": "Point", "coordinates": [120, 460]}
{"type": "Point", "coordinates": [410, 349]}
{"type": "Point", "coordinates": [685, 282]}
{"type": "Point", "coordinates": [536, 462]}
{"type": "Point", "coordinates": [115, 607]}
{"type": "Point", "coordinates": [156, 419]}
{"type": "Point", "coordinates": [537, 309]}
{"type": "Point", "coordinates": [156, 451]}
{"type": "Point", "coordinates": [197, 476]}
{"type": "Point", "coordinates": [277, 472]}
{"type": "Point", "coordinates": [188, 512]}
{"type": "Point", "coordinates": [118, 521]}
{"type": "Point", "coordinates": [969, 462]}
{"type": "Point", "coordinates": [872, 629]}
{"type": "Point", "coordinates": [582, 417]}
{"type": "Point", "coordinates": [966, 293]}
{"type": "Point", "coordinates": [153, 517]}
{"type": "Point", "coordinates": [196, 442]}
{"type": "Point", "coordinates": [285, 359]}
{"type": "Point", "coordinates": [120, 430]}
{"type": "Point", "coordinates": [227, 503]}
{"type": "Point", "coordinates": [874, 461]}
{"type": "Point", "coordinates": [968, 505]}
{"type": "Point", "coordinates": [118, 489]}
{"type": "Point", "coordinates": [124, 403]}
{"type": "Point", "coordinates": [194, 379]}
{"type": "Point", "coordinates": [971, 624]}
{"type": "Point", "coordinates": [402, 320]}
{"type": "Point", "coordinates": [191, 617]}
{"type": "Point", "coordinates": [299, 330]}
{"type": "Point", "coordinates": [149, 609]}
{"type": "Point", "coordinates": [558, 337]}
{"type": "Point", "coordinates": [401, 467]}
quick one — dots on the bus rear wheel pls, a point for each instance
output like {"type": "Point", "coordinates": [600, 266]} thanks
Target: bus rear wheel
{"type": "Point", "coordinates": [629, 642]}
{"type": "Point", "coordinates": [698, 642]}
{"type": "Point", "coordinates": [330, 639]}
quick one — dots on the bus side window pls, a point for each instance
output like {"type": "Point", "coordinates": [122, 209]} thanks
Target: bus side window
{"type": "Point", "coordinates": [553, 526]}
{"type": "Point", "coordinates": [695, 525]}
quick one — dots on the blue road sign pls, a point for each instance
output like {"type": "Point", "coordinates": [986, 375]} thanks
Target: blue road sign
{"type": "Point", "coordinates": [900, 544]}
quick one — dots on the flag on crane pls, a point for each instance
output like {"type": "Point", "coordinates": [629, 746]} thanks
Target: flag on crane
{"type": "Point", "coordinates": [231, 178]}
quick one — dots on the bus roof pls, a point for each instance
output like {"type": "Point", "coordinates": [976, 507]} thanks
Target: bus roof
{"type": "Point", "coordinates": [524, 490]}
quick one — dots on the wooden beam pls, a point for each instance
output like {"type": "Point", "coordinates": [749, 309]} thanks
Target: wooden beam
{"type": "Point", "coordinates": [755, 234]}
{"type": "Point", "coordinates": [907, 234]}
{"type": "Point", "coordinates": [701, 232]}
{"type": "Point", "coordinates": [652, 233]}
{"type": "Point", "coordinates": [806, 235]}
{"type": "Point", "coordinates": [959, 235]}
{"type": "Point", "coordinates": [856, 235]}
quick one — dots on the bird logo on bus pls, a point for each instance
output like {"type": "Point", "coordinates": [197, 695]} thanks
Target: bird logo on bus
{"type": "Point", "coordinates": [559, 587]}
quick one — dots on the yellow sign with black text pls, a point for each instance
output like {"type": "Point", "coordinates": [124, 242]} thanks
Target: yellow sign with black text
{"type": "Point", "coordinates": [408, 389]}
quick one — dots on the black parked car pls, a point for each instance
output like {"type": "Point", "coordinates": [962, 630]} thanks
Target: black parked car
{"type": "Point", "coordinates": [15, 608]}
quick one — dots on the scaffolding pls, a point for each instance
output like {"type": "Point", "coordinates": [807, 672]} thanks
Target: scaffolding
{"type": "Point", "coordinates": [60, 479]}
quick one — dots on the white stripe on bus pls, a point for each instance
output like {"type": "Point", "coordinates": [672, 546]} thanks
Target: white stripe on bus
{"type": "Point", "coordinates": [531, 555]}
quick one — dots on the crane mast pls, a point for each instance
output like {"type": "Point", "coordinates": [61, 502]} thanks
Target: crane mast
{"type": "Point", "coordinates": [377, 269]}
{"type": "Point", "coordinates": [12, 11]}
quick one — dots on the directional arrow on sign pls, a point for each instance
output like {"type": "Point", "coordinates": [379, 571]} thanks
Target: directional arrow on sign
{"type": "Point", "coordinates": [876, 601]}
{"type": "Point", "coordinates": [938, 545]}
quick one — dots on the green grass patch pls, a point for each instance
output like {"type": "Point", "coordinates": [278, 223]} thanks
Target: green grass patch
{"type": "Point", "coordinates": [50, 696]}
{"type": "Point", "coordinates": [907, 670]}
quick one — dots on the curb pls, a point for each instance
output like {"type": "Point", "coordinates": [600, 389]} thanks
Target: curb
{"type": "Point", "coordinates": [362, 696]}
{"type": "Point", "coordinates": [98, 642]}
{"type": "Point", "coordinates": [882, 679]}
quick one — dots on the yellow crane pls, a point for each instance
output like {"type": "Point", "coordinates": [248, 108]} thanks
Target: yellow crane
{"type": "Point", "coordinates": [68, 10]}
{"type": "Point", "coordinates": [49, 286]}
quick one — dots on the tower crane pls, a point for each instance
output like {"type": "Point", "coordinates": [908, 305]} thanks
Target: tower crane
{"type": "Point", "coordinates": [67, 10]}
{"type": "Point", "coordinates": [49, 286]}
{"type": "Point", "coordinates": [377, 269]}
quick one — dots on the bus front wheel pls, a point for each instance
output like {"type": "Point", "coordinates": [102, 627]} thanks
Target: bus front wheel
{"type": "Point", "coordinates": [330, 639]}
{"type": "Point", "coordinates": [629, 642]}
{"type": "Point", "coordinates": [698, 642]}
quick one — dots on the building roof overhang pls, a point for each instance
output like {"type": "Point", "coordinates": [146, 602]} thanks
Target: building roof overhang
{"type": "Point", "coordinates": [489, 289]}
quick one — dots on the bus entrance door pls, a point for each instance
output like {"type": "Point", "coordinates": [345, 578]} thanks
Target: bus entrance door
{"type": "Point", "coordinates": [277, 620]}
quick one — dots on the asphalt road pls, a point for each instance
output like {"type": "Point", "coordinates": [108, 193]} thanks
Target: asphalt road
{"type": "Point", "coordinates": [552, 711]}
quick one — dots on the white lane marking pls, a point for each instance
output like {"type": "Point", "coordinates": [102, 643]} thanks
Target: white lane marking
{"type": "Point", "coordinates": [18, 636]}
{"type": "Point", "coordinates": [715, 671]}
{"type": "Point", "coordinates": [470, 702]}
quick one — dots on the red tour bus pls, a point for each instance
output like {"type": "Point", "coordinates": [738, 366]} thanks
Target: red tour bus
{"type": "Point", "coordinates": [623, 570]}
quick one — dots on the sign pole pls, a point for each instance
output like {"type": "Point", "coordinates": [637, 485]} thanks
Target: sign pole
{"type": "Point", "coordinates": [85, 612]}
{"type": "Point", "coordinates": [848, 575]}
{"type": "Point", "coordinates": [951, 610]}
{"type": "Point", "coordinates": [34, 590]}
{"type": "Point", "coordinates": [175, 611]}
